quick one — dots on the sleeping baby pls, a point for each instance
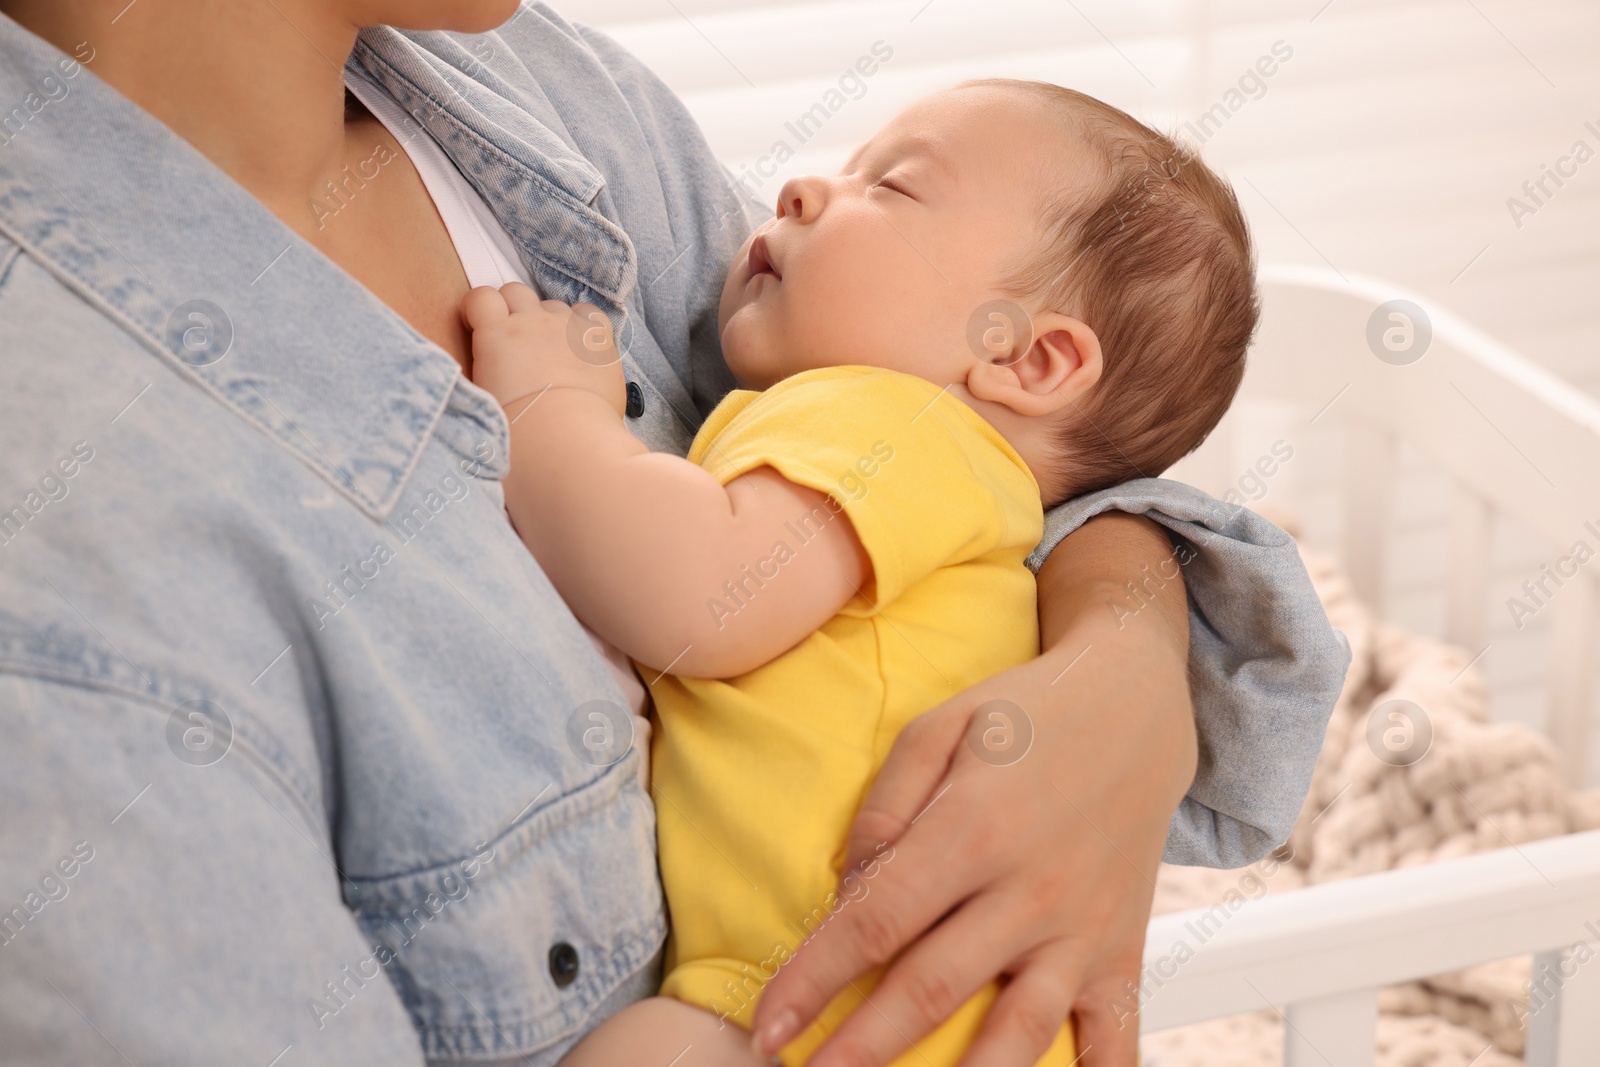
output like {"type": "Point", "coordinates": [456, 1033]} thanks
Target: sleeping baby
{"type": "Point", "coordinates": [1011, 295]}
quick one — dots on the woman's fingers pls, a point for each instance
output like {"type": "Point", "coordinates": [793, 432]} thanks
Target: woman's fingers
{"type": "Point", "coordinates": [914, 886]}
{"type": "Point", "coordinates": [910, 778]}
{"type": "Point", "coordinates": [925, 986]}
{"type": "Point", "coordinates": [907, 784]}
{"type": "Point", "coordinates": [1107, 1021]}
{"type": "Point", "coordinates": [1027, 1015]}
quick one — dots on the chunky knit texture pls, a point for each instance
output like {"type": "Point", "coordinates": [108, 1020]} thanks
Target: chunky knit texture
{"type": "Point", "coordinates": [1480, 786]}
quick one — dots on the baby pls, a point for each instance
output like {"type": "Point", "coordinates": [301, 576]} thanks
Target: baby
{"type": "Point", "coordinates": [1011, 295]}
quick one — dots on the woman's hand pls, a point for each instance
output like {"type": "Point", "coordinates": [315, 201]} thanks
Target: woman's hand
{"type": "Point", "coordinates": [1040, 872]}
{"type": "Point", "coordinates": [522, 345]}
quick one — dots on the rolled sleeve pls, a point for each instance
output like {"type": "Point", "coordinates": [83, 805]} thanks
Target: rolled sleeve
{"type": "Point", "coordinates": [1265, 666]}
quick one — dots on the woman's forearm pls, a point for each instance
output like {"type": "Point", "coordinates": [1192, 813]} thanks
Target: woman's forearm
{"type": "Point", "coordinates": [1089, 573]}
{"type": "Point", "coordinates": [1116, 587]}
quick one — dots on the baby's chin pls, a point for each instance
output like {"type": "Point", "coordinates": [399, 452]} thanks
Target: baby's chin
{"type": "Point", "coordinates": [750, 375]}
{"type": "Point", "coordinates": [743, 354]}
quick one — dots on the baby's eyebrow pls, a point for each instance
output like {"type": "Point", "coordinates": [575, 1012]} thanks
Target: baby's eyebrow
{"type": "Point", "coordinates": [929, 147]}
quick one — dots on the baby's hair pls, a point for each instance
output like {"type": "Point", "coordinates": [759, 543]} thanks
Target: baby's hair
{"type": "Point", "coordinates": [1157, 260]}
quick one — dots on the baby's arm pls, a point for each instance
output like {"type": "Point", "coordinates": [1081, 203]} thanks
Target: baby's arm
{"type": "Point", "coordinates": [640, 543]}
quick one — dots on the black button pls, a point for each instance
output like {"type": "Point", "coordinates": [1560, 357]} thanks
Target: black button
{"type": "Point", "coordinates": [635, 400]}
{"type": "Point", "coordinates": [563, 964]}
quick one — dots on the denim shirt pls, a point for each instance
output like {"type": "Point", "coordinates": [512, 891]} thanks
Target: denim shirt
{"type": "Point", "coordinates": [295, 759]}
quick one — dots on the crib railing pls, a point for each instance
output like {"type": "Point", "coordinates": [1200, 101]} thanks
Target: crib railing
{"type": "Point", "coordinates": [1318, 955]}
{"type": "Point", "coordinates": [1512, 438]}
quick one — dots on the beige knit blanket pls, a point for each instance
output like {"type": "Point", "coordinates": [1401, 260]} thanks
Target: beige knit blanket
{"type": "Point", "coordinates": [1481, 785]}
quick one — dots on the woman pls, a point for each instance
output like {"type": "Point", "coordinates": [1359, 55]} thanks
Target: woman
{"type": "Point", "coordinates": [301, 759]}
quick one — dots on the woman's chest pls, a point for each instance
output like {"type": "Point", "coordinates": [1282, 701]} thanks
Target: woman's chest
{"type": "Point", "coordinates": [379, 223]}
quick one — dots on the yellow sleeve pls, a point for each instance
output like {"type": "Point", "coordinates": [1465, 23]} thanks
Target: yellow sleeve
{"type": "Point", "coordinates": [921, 476]}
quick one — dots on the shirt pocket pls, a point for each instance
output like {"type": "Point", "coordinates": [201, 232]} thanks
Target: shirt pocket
{"type": "Point", "coordinates": [510, 948]}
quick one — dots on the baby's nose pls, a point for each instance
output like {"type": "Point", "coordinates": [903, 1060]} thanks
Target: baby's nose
{"type": "Point", "coordinates": [801, 198]}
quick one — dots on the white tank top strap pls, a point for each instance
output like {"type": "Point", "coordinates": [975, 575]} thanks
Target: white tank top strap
{"type": "Point", "coordinates": [488, 254]}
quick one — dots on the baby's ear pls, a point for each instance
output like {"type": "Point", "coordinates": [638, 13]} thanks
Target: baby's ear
{"type": "Point", "coordinates": [1055, 367]}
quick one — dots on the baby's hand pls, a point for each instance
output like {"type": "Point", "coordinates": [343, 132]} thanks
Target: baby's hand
{"type": "Point", "coordinates": [522, 346]}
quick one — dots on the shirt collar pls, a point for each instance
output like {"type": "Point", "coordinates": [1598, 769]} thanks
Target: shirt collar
{"type": "Point", "coordinates": [176, 254]}
{"type": "Point", "coordinates": [514, 147]}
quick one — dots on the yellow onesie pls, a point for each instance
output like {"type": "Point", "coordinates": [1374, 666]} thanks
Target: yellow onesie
{"type": "Point", "coordinates": [756, 779]}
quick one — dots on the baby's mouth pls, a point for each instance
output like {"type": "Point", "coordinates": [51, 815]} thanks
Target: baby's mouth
{"type": "Point", "coordinates": [761, 258]}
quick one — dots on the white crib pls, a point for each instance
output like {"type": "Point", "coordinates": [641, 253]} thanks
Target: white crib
{"type": "Point", "coordinates": [1513, 439]}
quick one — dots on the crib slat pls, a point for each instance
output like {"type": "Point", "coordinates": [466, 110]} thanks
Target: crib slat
{"type": "Point", "coordinates": [1467, 596]}
{"type": "Point", "coordinates": [1572, 666]}
{"type": "Point", "coordinates": [1369, 491]}
{"type": "Point", "coordinates": [1325, 940]}
{"type": "Point", "coordinates": [1564, 1004]}
{"type": "Point", "coordinates": [1336, 1031]}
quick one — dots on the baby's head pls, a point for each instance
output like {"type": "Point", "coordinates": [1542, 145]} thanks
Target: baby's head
{"type": "Point", "coordinates": [1081, 280]}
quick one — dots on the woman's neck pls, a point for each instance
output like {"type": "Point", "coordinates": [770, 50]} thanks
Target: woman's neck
{"type": "Point", "coordinates": [255, 85]}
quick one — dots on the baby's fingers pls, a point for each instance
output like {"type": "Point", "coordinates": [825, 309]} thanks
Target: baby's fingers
{"type": "Point", "coordinates": [484, 307]}
{"type": "Point", "coordinates": [519, 298]}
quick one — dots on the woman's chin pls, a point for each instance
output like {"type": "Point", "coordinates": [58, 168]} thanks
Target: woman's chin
{"type": "Point", "coordinates": [486, 15]}
{"type": "Point", "coordinates": [459, 16]}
